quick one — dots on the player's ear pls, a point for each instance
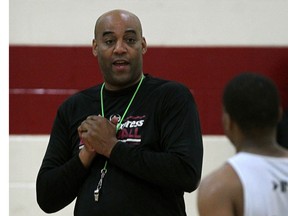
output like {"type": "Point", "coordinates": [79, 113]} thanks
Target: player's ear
{"type": "Point", "coordinates": [280, 114]}
{"type": "Point", "coordinates": [94, 47]}
{"type": "Point", "coordinates": [226, 122]}
{"type": "Point", "coordinates": [229, 126]}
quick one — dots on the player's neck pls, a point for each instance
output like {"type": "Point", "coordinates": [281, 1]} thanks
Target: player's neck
{"type": "Point", "coordinates": [267, 147]}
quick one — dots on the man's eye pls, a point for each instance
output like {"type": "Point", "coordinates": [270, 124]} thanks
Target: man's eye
{"type": "Point", "coordinates": [108, 42]}
{"type": "Point", "coordinates": [130, 40]}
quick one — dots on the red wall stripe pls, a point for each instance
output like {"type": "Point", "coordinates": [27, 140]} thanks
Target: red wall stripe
{"type": "Point", "coordinates": [41, 77]}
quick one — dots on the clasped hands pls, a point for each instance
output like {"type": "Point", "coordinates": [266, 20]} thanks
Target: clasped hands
{"type": "Point", "coordinates": [99, 137]}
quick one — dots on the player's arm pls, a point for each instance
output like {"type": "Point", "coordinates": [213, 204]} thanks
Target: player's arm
{"type": "Point", "coordinates": [218, 193]}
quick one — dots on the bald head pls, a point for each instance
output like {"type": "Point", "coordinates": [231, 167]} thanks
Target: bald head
{"type": "Point", "coordinates": [118, 16]}
{"type": "Point", "coordinates": [119, 47]}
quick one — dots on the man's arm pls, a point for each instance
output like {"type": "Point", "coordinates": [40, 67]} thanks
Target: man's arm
{"type": "Point", "coordinates": [62, 172]}
{"type": "Point", "coordinates": [178, 165]}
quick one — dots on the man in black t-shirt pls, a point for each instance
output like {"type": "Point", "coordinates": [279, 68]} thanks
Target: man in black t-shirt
{"type": "Point", "coordinates": [129, 146]}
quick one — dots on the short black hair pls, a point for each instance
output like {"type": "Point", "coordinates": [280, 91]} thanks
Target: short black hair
{"type": "Point", "coordinates": [252, 100]}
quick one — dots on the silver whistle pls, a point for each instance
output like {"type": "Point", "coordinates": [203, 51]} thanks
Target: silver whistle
{"type": "Point", "coordinates": [96, 195]}
{"type": "Point", "coordinates": [97, 191]}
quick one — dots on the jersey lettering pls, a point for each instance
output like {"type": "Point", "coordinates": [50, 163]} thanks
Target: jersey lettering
{"type": "Point", "coordinates": [281, 185]}
{"type": "Point", "coordinates": [130, 130]}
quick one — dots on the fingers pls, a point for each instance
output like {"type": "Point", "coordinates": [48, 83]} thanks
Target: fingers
{"type": "Point", "coordinates": [98, 134]}
{"type": "Point", "coordinates": [115, 120]}
{"type": "Point", "coordinates": [92, 121]}
{"type": "Point", "coordinates": [87, 124]}
{"type": "Point", "coordinates": [86, 156]}
{"type": "Point", "coordinates": [93, 117]}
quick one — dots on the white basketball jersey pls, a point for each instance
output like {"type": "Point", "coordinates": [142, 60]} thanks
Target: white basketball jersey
{"type": "Point", "coordinates": [265, 183]}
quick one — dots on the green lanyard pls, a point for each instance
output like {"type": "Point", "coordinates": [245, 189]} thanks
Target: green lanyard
{"type": "Point", "coordinates": [104, 170]}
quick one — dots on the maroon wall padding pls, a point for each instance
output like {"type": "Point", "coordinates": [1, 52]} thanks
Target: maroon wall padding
{"type": "Point", "coordinates": [57, 72]}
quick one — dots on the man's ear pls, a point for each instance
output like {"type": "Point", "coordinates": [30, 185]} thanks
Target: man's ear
{"type": "Point", "coordinates": [94, 47]}
{"type": "Point", "coordinates": [144, 45]}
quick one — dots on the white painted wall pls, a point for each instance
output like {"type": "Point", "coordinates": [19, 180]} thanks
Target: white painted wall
{"type": "Point", "coordinates": [26, 154]}
{"type": "Point", "coordinates": [165, 22]}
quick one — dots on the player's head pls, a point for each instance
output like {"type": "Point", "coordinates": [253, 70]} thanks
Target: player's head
{"type": "Point", "coordinates": [252, 101]}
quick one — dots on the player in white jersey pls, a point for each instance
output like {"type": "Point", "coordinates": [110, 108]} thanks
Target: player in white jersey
{"type": "Point", "coordinates": [254, 182]}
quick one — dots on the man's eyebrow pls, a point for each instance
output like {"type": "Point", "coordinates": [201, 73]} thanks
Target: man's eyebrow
{"type": "Point", "coordinates": [107, 33]}
{"type": "Point", "coordinates": [131, 31]}
{"type": "Point", "coordinates": [111, 32]}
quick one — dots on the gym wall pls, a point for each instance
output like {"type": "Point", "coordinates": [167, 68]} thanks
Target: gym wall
{"type": "Point", "coordinates": [200, 43]}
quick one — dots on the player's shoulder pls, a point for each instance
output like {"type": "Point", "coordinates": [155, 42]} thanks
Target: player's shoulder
{"type": "Point", "coordinates": [220, 193]}
{"type": "Point", "coordinates": [221, 181]}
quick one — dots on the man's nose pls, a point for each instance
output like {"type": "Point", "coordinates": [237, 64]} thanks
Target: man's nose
{"type": "Point", "coordinates": [120, 47]}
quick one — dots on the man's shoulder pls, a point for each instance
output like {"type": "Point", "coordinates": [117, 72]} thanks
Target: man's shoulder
{"type": "Point", "coordinates": [89, 94]}
{"type": "Point", "coordinates": [165, 84]}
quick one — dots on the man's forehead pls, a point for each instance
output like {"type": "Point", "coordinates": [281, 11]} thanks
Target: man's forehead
{"type": "Point", "coordinates": [111, 25]}
{"type": "Point", "coordinates": [118, 21]}
{"type": "Point", "coordinates": [117, 14]}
